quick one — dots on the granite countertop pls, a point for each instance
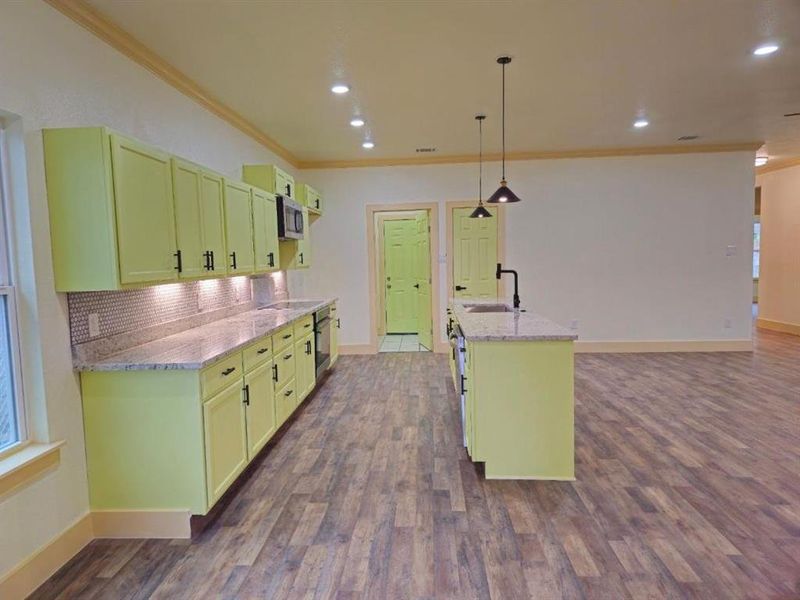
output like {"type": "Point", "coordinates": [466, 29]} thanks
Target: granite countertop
{"type": "Point", "coordinates": [200, 346]}
{"type": "Point", "coordinates": [506, 326]}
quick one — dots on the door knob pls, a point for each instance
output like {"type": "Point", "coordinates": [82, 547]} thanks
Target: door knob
{"type": "Point", "coordinates": [416, 285]}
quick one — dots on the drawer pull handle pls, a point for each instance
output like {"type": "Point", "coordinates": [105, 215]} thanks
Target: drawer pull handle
{"type": "Point", "coordinates": [275, 373]}
{"type": "Point", "coordinates": [287, 336]}
{"type": "Point", "coordinates": [228, 371]}
{"type": "Point", "coordinates": [287, 356]}
{"type": "Point", "coordinates": [288, 392]}
{"type": "Point", "coordinates": [307, 325]}
{"type": "Point", "coordinates": [233, 258]}
{"type": "Point", "coordinates": [247, 395]}
{"type": "Point", "coordinates": [262, 350]}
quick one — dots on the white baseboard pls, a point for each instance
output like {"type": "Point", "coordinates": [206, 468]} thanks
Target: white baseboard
{"type": "Point", "coordinates": [665, 346]}
{"type": "Point", "coordinates": [32, 572]}
{"type": "Point", "coordinates": [141, 524]}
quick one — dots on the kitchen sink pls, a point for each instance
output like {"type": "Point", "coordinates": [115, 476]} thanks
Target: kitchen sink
{"type": "Point", "coordinates": [291, 305]}
{"type": "Point", "coordinates": [488, 308]}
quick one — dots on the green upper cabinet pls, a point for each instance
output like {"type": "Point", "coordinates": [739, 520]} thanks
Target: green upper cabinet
{"type": "Point", "coordinates": [270, 178]}
{"type": "Point", "coordinates": [145, 219]}
{"type": "Point", "coordinates": [308, 196]}
{"type": "Point", "coordinates": [296, 254]}
{"type": "Point", "coordinates": [212, 206]}
{"type": "Point", "coordinates": [199, 220]}
{"type": "Point", "coordinates": [111, 210]}
{"type": "Point", "coordinates": [239, 228]}
{"type": "Point", "coordinates": [265, 231]}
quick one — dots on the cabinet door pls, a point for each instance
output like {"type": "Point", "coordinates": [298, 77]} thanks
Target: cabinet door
{"type": "Point", "coordinates": [145, 217]}
{"type": "Point", "coordinates": [300, 374]}
{"type": "Point", "coordinates": [310, 365]}
{"type": "Point", "coordinates": [261, 420]}
{"type": "Point", "coordinates": [188, 218]}
{"type": "Point", "coordinates": [238, 228]}
{"type": "Point", "coordinates": [260, 227]}
{"type": "Point", "coordinates": [273, 246]}
{"type": "Point", "coordinates": [335, 326]}
{"type": "Point", "coordinates": [213, 212]}
{"type": "Point", "coordinates": [226, 439]}
{"type": "Point", "coordinates": [304, 245]}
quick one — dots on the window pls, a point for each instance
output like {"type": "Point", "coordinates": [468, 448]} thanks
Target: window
{"type": "Point", "coordinates": [756, 247]}
{"type": "Point", "coordinates": [12, 415]}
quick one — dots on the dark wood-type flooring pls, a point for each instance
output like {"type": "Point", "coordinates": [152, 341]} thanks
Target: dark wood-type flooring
{"type": "Point", "coordinates": [688, 486]}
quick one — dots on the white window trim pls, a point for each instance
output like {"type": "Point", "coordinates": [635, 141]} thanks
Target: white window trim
{"type": "Point", "coordinates": [7, 289]}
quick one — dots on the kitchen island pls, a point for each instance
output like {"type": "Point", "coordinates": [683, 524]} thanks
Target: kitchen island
{"type": "Point", "coordinates": [513, 371]}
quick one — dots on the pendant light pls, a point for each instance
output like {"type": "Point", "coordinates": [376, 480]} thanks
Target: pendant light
{"type": "Point", "coordinates": [480, 212]}
{"type": "Point", "coordinates": [503, 195]}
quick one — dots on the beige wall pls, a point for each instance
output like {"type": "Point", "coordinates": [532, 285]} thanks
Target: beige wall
{"type": "Point", "coordinates": [779, 281]}
{"type": "Point", "coordinates": [53, 73]}
{"type": "Point", "coordinates": [633, 248]}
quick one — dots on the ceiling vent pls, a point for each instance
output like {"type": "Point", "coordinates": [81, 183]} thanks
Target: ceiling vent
{"type": "Point", "coordinates": [688, 138]}
{"type": "Point", "coordinates": [424, 150]}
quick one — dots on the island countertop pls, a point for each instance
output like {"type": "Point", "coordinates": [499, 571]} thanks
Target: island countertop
{"type": "Point", "coordinates": [200, 346]}
{"type": "Point", "coordinates": [506, 326]}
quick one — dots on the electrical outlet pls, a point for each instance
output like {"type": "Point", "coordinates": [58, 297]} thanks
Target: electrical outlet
{"type": "Point", "coordinates": [94, 324]}
{"type": "Point", "coordinates": [727, 323]}
{"type": "Point", "coordinates": [574, 324]}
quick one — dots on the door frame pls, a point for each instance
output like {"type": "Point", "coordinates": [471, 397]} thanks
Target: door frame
{"type": "Point", "coordinates": [433, 219]}
{"type": "Point", "coordinates": [501, 241]}
{"type": "Point", "coordinates": [380, 258]}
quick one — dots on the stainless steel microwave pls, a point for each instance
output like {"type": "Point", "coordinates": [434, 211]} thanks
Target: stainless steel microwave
{"type": "Point", "coordinates": [290, 219]}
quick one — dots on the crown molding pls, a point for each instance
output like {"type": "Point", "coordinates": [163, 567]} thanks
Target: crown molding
{"type": "Point", "coordinates": [533, 155]}
{"type": "Point", "coordinates": [89, 18]}
{"type": "Point", "coordinates": [777, 165]}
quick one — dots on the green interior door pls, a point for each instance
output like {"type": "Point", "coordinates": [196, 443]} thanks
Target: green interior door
{"type": "Point", "coordinates": [422, 272]}
{"type": "Point", "coordinates": [400, 248]}
{"type": "Point", "coordinates": [474, 255]}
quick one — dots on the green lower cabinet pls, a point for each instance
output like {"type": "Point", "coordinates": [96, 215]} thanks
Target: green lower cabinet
{"type": "Point", "coordinates": [285, 402]}
{"type": "Point", "coordinates": [260, 408]}
{"type": "Point", "coordinates": [305, 375]}
{"type": "Point", "coordinates": [225, 428]}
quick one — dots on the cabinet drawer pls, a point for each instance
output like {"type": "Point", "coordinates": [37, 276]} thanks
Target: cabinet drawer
{"type": "Point", "coordinates": [220, 374]}
{"type": "Point", "coordinates": [284, 366]}
{"type": "Point", "coordinates": [303, 327]}
{"type": "Point", "coordinates": [282, 338]}
{"type": "Point", "coordinates": [257, 353]}
{"type": "Point", "coordinates": [285, 402]}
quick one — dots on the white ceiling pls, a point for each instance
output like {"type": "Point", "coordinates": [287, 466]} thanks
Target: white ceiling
{"type": "Point", "coordinates": [419, 71]}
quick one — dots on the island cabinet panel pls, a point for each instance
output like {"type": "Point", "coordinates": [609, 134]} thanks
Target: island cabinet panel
{"type": "Point", "coordinates": [225, 430]}
{"type": "Point", "coordinates": [260, 408]}
{"type": "Point", "coordinates": [144, 208]}
{"type": "Point", "coordinates": [265, 232]}
{"type": "Point", "coordinates": [521, 397]}
{"type": "Point", "coordinates": [239, 228]}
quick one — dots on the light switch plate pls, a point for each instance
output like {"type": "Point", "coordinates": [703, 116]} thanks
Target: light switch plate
{"type": "Point", "coordinates": [730, 251]}
{"type": "Point", "coordinates": [94, 324]}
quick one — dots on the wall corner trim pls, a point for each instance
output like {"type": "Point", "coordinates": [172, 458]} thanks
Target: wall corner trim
{"type": "Point", "coordinates": [793, 328]}
{"type": "Point", "coordinates": [32, 572]}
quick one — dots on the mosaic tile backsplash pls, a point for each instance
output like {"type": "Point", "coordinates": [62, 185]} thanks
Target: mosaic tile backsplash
{"type": "Point", "coordinates": [131, 310]}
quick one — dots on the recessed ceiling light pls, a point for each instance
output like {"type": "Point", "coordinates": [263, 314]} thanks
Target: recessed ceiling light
{"type": "Point", "coordinates": [764, 50]}
{"type": "Point", "coordinates": [340, 89]}
{"type": "Point", "coordinates": [357, 122]}
{"type": "Point", "coordinates": [368, 145]}
{"type": "Point", "coordinates": [761, 160]}
{"type": "Point", "coordinates": [639, 123]}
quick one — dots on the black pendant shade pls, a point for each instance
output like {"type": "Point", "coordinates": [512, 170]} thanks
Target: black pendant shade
{"type": "Point", "coordinates": [503, 195]}
{"type": "Point", "coordinates": [480, 213]}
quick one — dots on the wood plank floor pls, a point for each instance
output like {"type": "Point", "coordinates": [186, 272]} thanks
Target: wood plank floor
{"type": "Point", "coordinates": [688, 486]}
